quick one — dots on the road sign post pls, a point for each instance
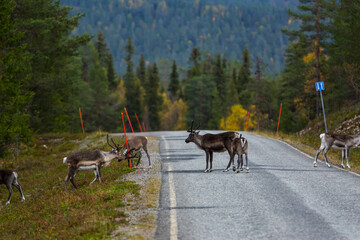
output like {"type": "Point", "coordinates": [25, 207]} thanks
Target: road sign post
{"type": "Point", "coordinates": [320, 87]}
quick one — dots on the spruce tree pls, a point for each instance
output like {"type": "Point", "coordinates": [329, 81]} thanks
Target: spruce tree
{"type": "Point", "coordinates": [195, 58]}
{"type": "Point", "coordinates": [131, 83]}
{"type": "Point", "coordinates": [47, 27]}
{"type": "Point", "coordinates": [174, 84]}
{"type": "Point", "coordinates": [220, 80]}
{"type": "Point", "coordinates": [244, 79]}
{"type": "Point", "coordinates": [141, 70]}
{"type": "Point", "coordinates": [111, 75]}
{"type": "Point", "coordinates": [101, 48]}
{"type": "Point", "coordinates": [14, 65]}
{"type": "Point", "coordinates": [153, 97]}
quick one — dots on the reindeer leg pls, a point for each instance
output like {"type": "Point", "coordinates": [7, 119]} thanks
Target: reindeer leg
{"type": "Point", "coordinates": [326, 161]}
{"type": "Point", "coordinates": [322, 147]}
{"type": "Point", "coordinates": [99, 173]}
{"type": "Point", "coordinates": [238, 163]}
{"type": "Point", "coordinates": [147, 154]}
{"type": "Point", "coordinates": [347, 157]}
{"type": "Point", "coordinates": [207, 161]}
{"type": "Point", "coordinates": [16, 184]}
{"type": "Point", "coordinates": [8, 185]}
{"type": "Point", "coordinates": [230, 161]}
{"type": "Point", "coordinates": [246, 158]}
{"type": "Point", "coordinates": [343, 153]}
{"type": "Point", "coordinates": [68, 176]}
{"type": "Point", "coordinates": [96, 177]}
{"type": "Point", "coordinates": [71, 175]}
{"type": "Point", "coordinates": [211, 160]}
{"type": "Point", "coordinates": [139, 158]}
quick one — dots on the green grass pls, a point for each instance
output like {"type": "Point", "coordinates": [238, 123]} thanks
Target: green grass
{"type": "Point", "coordinates": [50, 212]}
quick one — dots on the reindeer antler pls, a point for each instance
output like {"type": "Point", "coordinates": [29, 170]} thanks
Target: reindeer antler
{"type": "Point", "coordinates": [191, 129]}
{"type": "Point", "coordinates": [107, 140]}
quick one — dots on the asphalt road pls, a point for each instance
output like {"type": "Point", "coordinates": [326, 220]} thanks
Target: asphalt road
{"type": "Point", "coordinates": [282, 197]}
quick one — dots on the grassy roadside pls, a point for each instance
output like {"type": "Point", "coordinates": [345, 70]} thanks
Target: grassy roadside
{"type": "Point", "coordinates": [50, 212]}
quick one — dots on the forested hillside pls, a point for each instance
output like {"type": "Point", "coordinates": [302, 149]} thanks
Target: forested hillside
{"type": "Point", "coordinates": [50, 68]}
{"type": "Point", "coordinates": [169, 29]}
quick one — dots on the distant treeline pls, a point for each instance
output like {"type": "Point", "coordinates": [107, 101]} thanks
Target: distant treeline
{"type": "Point", "coordinates": [169, 29]}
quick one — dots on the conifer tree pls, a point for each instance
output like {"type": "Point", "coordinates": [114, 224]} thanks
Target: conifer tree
{"type": "Point", "coordinates": [101, 48]}
{"type": "Point", "coordinates": [14, 65]}
{"type": "Point", "coordinates": [244, 79]}
{"type": "Point", "coordinates": [47, 26]}
{"type": "Point", "coordinates": [195, 58]}
{"type": "Point", "coordinates": [141, 70]}
{"type": "Point", "coordinates": [220, 81]}
{"type": "Point", "coordinates": [174, 85]}
{"type": "Point", "coordinates": [153, 97]}
{"type": "Point", "coordinates": [132, 84]}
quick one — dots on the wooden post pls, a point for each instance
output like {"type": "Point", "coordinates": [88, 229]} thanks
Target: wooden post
{"type": "Point", "coordinates": [127, 146]}
{"type": "Point", "coordinates": [129, 122]}
{"type": "Point", "coordinates": [82, 124]}
{"type": "Point", "coordinates": [277, 130]}
{"type": "Point", "coordinates": [138, 122]}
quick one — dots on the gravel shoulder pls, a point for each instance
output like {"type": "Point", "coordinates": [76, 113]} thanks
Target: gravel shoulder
{"type": "Point", "coordinates": [141, 210]}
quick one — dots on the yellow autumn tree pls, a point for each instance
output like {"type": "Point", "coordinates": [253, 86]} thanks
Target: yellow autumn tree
{"type": "Point", "coordinates": [173, 114]}
{"type": "Point", "coordinates": [237, 118]}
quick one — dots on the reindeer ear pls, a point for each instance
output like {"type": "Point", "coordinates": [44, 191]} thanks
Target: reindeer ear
{"type": "Point", "coordinates": [197, 132]}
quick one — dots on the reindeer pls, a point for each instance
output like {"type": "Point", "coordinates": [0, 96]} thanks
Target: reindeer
{"type": "Point", "coordinates": [135, 144]}
{"type": "Point", "coordinates": [337, 141]}
{"type": "Point", "coordinates": [91, 160]}
{"type": "Point", "coordinates": [211, 143]}
{"type": "Point", "coordinates": [240, 147]}
{"type": "Point", "coordinates": [9, 177]}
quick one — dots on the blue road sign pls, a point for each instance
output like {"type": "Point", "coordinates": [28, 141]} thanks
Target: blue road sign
{"type": "Point", "coordinates": [319, 86]}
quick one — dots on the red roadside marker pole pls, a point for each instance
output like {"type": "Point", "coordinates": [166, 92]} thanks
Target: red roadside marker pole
{"type": "Point", "coordinates": [277, 130]}
{"type": "Point", "coordinates": [127, 146]}
{"type": "Point", "coordinates": [129, 122]}
{"type": "Point", "coordinates": [138, 122]}
{"type": "Point", "coordinates": [82, 124]}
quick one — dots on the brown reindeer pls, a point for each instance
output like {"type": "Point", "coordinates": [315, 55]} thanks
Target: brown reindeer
{"type": "Point", "coordinates": [211, 143]}
{"type": "Point", "coordinates": [135, 145]}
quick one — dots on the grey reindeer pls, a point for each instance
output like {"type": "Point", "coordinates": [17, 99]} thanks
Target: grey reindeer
{"type": "Point", "coordinates": [9, 178]}
{"type": "Point", "coordinates": [337, 141]}
{"type": "Point", "coordinates": [91, 160]}
{"type": "Point", "coordinates": [240, 147]}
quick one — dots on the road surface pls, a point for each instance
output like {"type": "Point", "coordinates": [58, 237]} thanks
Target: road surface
{"type": "Point", "coordinates": [282, 197]}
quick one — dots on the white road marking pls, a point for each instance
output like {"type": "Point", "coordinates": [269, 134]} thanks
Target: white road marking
{"type": "Point", "coordinates": [173, 220]}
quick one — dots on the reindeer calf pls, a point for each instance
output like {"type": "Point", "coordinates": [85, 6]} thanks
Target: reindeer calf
{"type": "Point", "coordinates": [9, 178]}
{"type": "Point", "coordinates": [240, 147]}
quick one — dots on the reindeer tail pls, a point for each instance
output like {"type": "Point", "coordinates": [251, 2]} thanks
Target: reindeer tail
{"type": "Point", "coordinates": [322, 135]}
{"type": "Point", "coordinates": [64, 160]}
{"type": "Point", "coordinates": [15, 175]}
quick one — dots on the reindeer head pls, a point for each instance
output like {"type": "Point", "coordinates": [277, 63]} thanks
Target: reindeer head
{"type": "Point", "coordinates": [193, 133]}
{"type": "Point", "coordinates": [116, 149]}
